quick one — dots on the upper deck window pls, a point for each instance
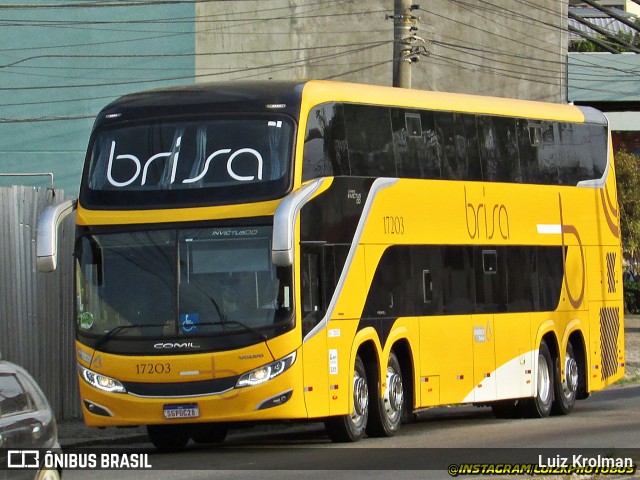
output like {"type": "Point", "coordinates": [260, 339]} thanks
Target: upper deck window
{"type": "Point", "coordinates": [179, 163]}
{"type": "Point", "coordinates": [380, 141]}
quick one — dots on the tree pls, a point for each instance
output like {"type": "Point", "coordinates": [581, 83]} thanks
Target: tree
{"type": "Point", "coordinates": [628, 180]}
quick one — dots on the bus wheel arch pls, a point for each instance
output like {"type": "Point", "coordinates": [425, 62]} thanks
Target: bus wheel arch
{"type": "Point", "coordinates": [404, 354]}
{"type": "Point", "coordinates": [540, 405]}
{"type": "Point", "coordinates": [580, 351]}
{"type": "Point", "coordinates": [570, 375]}
{"type": "Point", "coordinates": [392, 404]}
{"type": "Point", "coordinates": [352, 426]}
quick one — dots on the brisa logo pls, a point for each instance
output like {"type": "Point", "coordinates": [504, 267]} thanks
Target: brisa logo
{"type": "Point", "coordinates": [141, 170]}
{"type": "Point", "coordinates": [484, 219]}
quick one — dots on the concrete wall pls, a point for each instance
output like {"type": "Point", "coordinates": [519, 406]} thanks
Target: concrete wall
{"type": "Point", "coordinates": [496, 47]}
{"type": "Point", "coordinates": [60, 66]}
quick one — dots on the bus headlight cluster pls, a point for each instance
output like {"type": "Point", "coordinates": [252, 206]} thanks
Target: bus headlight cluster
{"type": "Point", "coordinates": [266, 372]}
{"type": "Point", "coordinates": [101, 382]}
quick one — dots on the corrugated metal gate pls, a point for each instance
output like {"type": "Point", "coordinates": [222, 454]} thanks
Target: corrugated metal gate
{"type": "Point", "coordinates": [36, 309]}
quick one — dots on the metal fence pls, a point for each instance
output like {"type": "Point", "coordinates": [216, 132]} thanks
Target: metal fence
{"type": "Point", "coordinates": [36, 309]}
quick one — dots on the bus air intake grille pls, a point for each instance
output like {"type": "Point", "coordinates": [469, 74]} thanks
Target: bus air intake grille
{"type": "Point", "coordinates": [611, 272]}
{"type": "Point", "coordinates": [609, 328]}
{"type": "Point", "coordinates": [181, 389]}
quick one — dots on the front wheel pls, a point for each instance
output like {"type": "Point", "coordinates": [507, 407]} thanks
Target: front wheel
{"type": "Point", "coordinates": [387, 410]}
{"type": "Point", "coordinates": [540, 405]}
{"type": "Point", "coordinates": [566, 386]}
{"type": "Point", "coordinates": [168, 437]}
{"type": "Point", "coordinates": [351, 427]}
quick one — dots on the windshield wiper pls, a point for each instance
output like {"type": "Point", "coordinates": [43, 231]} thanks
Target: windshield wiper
{"type": "Point", "coordinates": [247, 328]}
{"type": "Point", "coordinates": [107, 336]}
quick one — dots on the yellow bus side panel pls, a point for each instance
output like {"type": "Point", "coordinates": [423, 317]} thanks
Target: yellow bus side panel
{"type": "Point", "coordinates": [447, 352]}
{"type": "Point", "coordinates": [484, 358]}
{"type": "Point", "coordinates": [429, 391]}
{"type": "Point", "coordinates": [316, 374]}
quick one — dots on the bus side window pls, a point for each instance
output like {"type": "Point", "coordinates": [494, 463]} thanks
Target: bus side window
{"type": "Point", "coordinates": [474, 165]}
{"type": "Point", "coordinates": [427, 271]}
{"type": "Point", "coordinates": [334, 260]}
{"type": "Point", "coordinates": [548, 154]}
{"type": "Point", "coordinates": [529, 138]}
{"type": "Point", "coordinates": [520, 286]}
{"type": "Point", "coordinates": [458, 283]}
{"type": "Point", "coordinates": [406, 130]}
{"type": "Point", "coordinates": [598, 146]}
{"type": "Point", "coordinates": [447, 139]}
{"type": "Point", "coordinates": [310, 275]}
{"type": "Point", "coordinates": [370, 141]}
{"type": "Point", "coordinates": [325, 150]}
{"type": "Point", "coordinates": [390, 293]}
{"type": "Point", "coordinates": [320, 272]}
{"type": "Point", "coordinates": [550, 276]}
{"type": "Point", "coordinates": [509, 164]}
{"type": "Point", "coordinates": [491, 291]}
{"type": "Point", "coordinates": [574, 165]}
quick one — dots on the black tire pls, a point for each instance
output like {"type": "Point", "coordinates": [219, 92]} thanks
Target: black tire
{"type": "Point", "coordinates": [351, 427]}
{"type": "Point", "coordinates": [540, 405]}
{"type": "Point", "coordinates": [387, 409]}
{"type": "Point", "coordinates": [566, 386]}
{"type": "Point", "coordinates": [168, 437]}
{"type": "Point", "coordinates": [209, 433]}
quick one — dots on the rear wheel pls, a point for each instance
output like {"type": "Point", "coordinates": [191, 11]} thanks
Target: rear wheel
{"type": "Point", "coordinates": [387, 410]}
{"type": "Point", "coordinates": [540, 405]}
{"type": "Point", "coordinates": [566, 386]}
{"type": "Point", "coordinates": [168, 437]}
{"type": "Point", "coordinates": [351, 427]}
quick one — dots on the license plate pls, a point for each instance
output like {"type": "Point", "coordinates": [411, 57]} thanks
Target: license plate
{"type": "Point", "coordinates": [185, 410]}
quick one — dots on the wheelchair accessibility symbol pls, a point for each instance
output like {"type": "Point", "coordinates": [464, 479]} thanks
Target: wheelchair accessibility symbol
{"type": "Point", "coordinates": [189, 322]}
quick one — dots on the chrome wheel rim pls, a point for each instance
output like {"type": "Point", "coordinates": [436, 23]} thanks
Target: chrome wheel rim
{"type": "Point", "coordinates": [360, 399]}
{"type": "Point", "coordinates": [544, 383]}
{"type": "Point", "coordinates": [393, 395]}
{"type": "Point", "coordinates": [570, 382]}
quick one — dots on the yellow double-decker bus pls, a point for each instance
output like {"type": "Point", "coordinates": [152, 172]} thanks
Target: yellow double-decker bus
{"type": "Point", "coordinates": [340, 252]}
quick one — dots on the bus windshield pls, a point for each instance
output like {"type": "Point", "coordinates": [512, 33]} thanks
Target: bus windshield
{"type": "Point", "coordinates": [177, 283]}
{"type": "Point", "coordinates": [170, 163]}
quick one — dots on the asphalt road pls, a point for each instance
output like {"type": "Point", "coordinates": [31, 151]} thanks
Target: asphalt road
{"type": "Point", "coordinates": [608, 422]}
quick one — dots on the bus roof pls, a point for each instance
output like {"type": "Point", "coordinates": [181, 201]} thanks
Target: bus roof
{"type": "Point", "coordinates": [289, 97]}
{"type": "Point", "coordinates": [320, 91]}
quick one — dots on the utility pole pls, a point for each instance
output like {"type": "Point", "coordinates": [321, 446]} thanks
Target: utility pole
{"type": "Point", "coordinates": [405, 50]}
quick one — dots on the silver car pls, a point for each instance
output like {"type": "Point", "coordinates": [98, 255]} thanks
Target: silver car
{"type": "Point", "coordinates": [26, 421]}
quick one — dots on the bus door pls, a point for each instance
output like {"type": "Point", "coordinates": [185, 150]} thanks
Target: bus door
{"type": "Point", "coordinates": [321, 265]}
{"type": "Point", "coordinates": [446, 301]}
{"type": "Point", "coordinates": [491, 295]}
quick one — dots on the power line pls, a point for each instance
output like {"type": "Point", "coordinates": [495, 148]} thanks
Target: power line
{"type": "Point", "coordinates": [282, 65]}
{"type": "Point", "coordinates": [106, 4]}
{"type": "Point", "coordinates": [174, 55]}
{"type": "Point", "coordinates": [322, 4]}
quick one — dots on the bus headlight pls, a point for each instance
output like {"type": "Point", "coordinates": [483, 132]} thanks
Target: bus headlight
{"type": "Point", "coordinates": [266, 372]}
{"type": "Point", "coordinates": [101, 382]}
